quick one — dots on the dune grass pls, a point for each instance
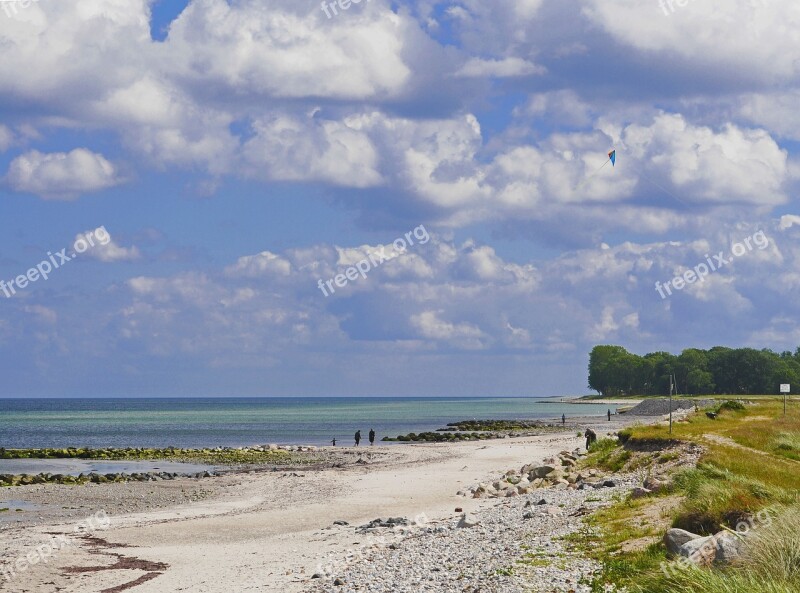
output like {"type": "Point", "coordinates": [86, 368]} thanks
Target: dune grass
{"type": "Point", "coordinates": [748, 465]}
{"type": "Point", "coordinates": [771, 563]}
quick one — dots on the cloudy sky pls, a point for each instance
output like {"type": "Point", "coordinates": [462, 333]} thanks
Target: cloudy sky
{"type": "Point", "coordinates": [239, 152]}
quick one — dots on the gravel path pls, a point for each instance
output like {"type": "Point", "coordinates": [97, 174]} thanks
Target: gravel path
{"type": "Point", "coordinates": [517, 546]}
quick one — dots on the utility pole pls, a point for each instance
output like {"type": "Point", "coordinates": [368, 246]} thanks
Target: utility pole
{"type": "Point", "coordinates": [671, 389]}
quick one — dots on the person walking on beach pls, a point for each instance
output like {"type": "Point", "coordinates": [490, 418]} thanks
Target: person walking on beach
{"type": "Point", "coordinates": [591, 437]}
{"type": "Point", "coordinates": [358, 437]}
{"type": "Point", "coordinates": [333, 442]}
{"type": "Point", "coordinates": [609, 414]}
{"type": "Point", "coordinates": [371, 437]}
{"type": "Point", "coordinates": [563, 419]}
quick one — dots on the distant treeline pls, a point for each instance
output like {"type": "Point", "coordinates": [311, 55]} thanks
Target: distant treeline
{"type": "Point", "coordinates": [730, 371]}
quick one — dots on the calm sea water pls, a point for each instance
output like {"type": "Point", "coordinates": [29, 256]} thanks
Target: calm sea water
{"type": "Point", "coordinates": [210, 422]}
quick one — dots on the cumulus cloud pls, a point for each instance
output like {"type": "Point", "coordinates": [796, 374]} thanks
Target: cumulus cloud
{"type": "Point", "coordinates": [758, 40]}
{"type": "Point", "coordinates": [62, 175]}
{"type": "Point", "coordinates": [103, 248]}
{"type": "Point", "coordinates": [282, 50]}
{"type": "Point", "coordinates": [6, 138]}
{"type": "Point", "coordinates": [505, 68]}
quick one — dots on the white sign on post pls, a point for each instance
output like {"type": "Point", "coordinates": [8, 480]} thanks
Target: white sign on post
{"type": "Point", "coordinates": [786, 388]}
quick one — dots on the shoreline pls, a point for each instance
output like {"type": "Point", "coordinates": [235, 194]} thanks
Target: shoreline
{"type": "Point", "coordinates": [265, 514]}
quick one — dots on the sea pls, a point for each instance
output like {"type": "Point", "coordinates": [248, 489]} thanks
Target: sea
{"type": "Point", "coordinates": [233, 422]}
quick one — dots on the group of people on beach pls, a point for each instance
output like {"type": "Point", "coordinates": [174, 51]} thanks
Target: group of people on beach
{"type": "Point", "coordinates": [358, 438]}
{"type": "Point", "coordinates": [590, 434]}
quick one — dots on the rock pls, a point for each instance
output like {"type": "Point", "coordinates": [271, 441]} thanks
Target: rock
{"type": "Point", "coordinates": [729, 547]}
{"type": "Point", "coordinates": [675, 538]}
{"type": "Point", "coordinates": [543, 470]}
{"type": "Point", "coordinates": [459, 510]}
{"type": "Point", "coordinates": [341, 523]}
{"type": "Point", "coordinates": [510, 493]}
{"type": "Point", "coordinates": [655, 484]}
{"type": "Point", "coordinates": [316, 575]}
{"type": "Point", "coordinates": [542, 502]}
{"type": "Point", "coordinates": [566, 462]}
{"type": "Point", "coordinates": [640, 492]}
{"type": "Point", "coordinates": [701, 551]}
{"type": "Point", "coordinates": [467, 521]}
{"type": "Point", "coordinates": [338, 582]}
{"type": "Point", "coordinates": [528, 515]}
{"type": "Point", "coordinates": [609, 484]}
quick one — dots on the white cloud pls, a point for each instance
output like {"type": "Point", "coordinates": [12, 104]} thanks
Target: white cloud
{"type": "Point", "coordinates": [505, 68]}
{"type": "Point", "coordinates": [432, 327]}
{"type": "Point", "coordinates": [756, 40]}
{"type": "Point", "coordinates": [103, 248]}
{"type": "Point", "coordinates": [291, 149]}
{"type": "Point", "coordinates": [264, 264]}
{"type": "Point", "coordinates": [282, 50]}
{"type": "Point", "coordinates": [6, 138]}
{"type": "Point", "coordinates": [60, 175]}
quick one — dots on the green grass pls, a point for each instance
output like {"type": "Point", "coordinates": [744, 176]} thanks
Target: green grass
{"type": "Point", "coordinates": [602, 539]}
{"type": "Point", "coordinates": [607, 454]}
{"type": "Point", "coordinates": [771, 564]}
{"type": "Point", "coordinates": [729, 484]}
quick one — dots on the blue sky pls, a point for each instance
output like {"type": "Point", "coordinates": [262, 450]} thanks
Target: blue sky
{"type": "Point", "coordinates": [239, 152]}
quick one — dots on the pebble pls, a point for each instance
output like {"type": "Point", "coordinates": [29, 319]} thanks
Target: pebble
{"type": "Point", "coordinates": [479, 552]}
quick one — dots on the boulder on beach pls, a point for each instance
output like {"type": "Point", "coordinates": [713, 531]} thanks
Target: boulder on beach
{"type": "Point", "coordinates": [675, 538]}
{"type": "Point", "coordinates": [468, 520]}
{"type": "Point", "coordinates": [543, 470]}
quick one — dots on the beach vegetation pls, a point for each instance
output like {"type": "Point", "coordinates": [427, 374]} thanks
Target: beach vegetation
{"type": "Point", "coordinates": [745, 468]}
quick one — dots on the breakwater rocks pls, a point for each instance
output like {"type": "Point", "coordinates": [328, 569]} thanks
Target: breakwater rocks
{"type": "Point", "coordinates": [557, 471]}
{"type": "Point", "coordinates": [479, 430]}
{"type": "Point", "coordinates": [8, 480]}
{"type": "Point", "coordinates": [223, 455]}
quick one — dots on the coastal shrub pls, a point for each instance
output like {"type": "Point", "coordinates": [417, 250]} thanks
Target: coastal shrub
{"type": "Point", "coordinates": [715, 498]}
{"type": "Point", "coordinates": [603, 446]}
{"type": "Point", "coordinates": [731, 405]}
{"type": "Point", "coordinates": [607, 454]}
{"type": "Point", "coordinates": [787, 444]}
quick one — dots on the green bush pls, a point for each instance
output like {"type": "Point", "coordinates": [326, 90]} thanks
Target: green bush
{"type": "Point", "coordinates": [732, 405]}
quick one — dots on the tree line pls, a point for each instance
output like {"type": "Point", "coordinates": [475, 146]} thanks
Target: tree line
{"type": "Point", "coordinates": [614, 371]}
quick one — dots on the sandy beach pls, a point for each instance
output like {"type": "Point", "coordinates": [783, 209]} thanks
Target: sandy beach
{"type": "Point", "coordinates": [255, 531]}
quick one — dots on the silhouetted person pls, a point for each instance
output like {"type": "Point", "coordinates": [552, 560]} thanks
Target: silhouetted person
{"type": "Point", "coordinates": [563, 419]}
{"type": "Point", "coordinates": [333, 442]}
{"type": "Point", "coordinates": [609, 414]}
{"type": "Point", "coordinates": [358, 437]}
{"type": "Point", "coordinates": [591, 437]}
{"type": "Point", "coordinates": [372, 437]}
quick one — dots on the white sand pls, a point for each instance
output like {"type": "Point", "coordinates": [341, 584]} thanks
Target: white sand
{"type": "Point", "coordinates": [271, 531]}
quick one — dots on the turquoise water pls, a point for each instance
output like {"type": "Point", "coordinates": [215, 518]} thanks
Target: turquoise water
{"type": "Point", "coordinates": [209, 422]}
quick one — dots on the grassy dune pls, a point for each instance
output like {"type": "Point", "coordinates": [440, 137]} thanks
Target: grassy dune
{"type": "Point", "coordinates": [749, 463]}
